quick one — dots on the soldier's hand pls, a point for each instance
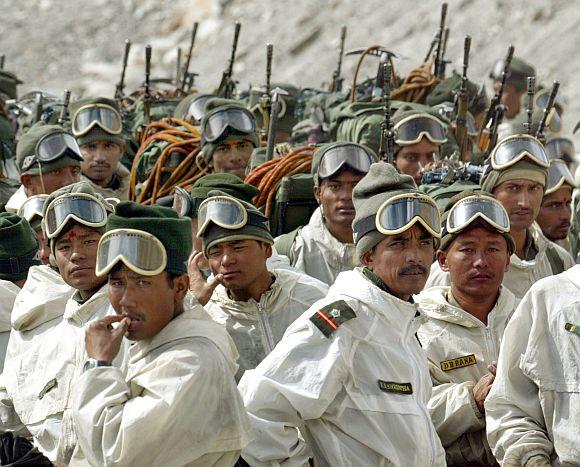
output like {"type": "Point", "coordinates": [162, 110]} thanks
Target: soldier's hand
{"type": "Point", "coordinates": [102, 340]}
{"type": "Point", "coordinates": [492, 368]}
{"type": "Point", "coordinates": [481, 390]}
{"type": "Point", "coordinates": [201, 288]}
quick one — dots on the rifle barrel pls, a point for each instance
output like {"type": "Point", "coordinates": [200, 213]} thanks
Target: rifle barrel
{"type": "Point", "coordinates": [188, 59]}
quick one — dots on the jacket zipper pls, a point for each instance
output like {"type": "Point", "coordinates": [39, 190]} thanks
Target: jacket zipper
{"type": "Point", "coordinates": [266, 330]}
{"type": "Point", "coordinates": [423, 409]}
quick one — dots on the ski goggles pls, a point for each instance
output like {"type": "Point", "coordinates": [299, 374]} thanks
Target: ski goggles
{"type": "Point", "coordinates": [514, 148]}
{"type": "Point", "coordinates": [543, 98]}
{"type": "Point", "coordinates": [81, 207]}
{"type": "Point", "coordinates": [196, 108]}
{"type": "Point", "coordinates": [335, 158]}
{"type": "Point", "coordinates": [142, 252]}
{"type": "Point", "coordinates": [32, 207]}
{"type": "Point", "coordinates": [558, 174]}
{"type": "Point", "coordinates": [183, 204]}
{"type": "Point", "coordinates": [400, 213]}
{"type": "Point", "coordinates": [414, 128]}
{"type": "Point", "coordinates": [52, 147]}
{"type": "Point", "coordinates": [96, 115]}
{"type": "Point", "coordinates": [471, 208]}
{"type": "Point", "coordinates": [219, 122]}
{"type": "Point", "coordinates": [559, 148]}
{"type": "Point", "coordinates": [227, 213]}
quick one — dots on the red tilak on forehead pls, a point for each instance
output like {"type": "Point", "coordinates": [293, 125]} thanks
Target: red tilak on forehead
{"type": "Point", "coordinates": [71, 234]}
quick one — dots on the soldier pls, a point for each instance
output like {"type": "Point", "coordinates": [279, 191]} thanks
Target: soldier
{"type": "Point", "coordinates": [418, 137]}
{"type": "Point", "coordinates": [228, 136]}
{"type": "Point", "coordinates": [556, 211]}
{"type": "Point", "coordinates": [517, 180]}
{"type": "Point", "coordinates": [48, 158]}
{"type": "Point", "coordinates": [178, 403]}
{"type": "Point", "coordinates": [466, 323]}
{"type": "Point", "coordinates": [350, 373]}
{"type": "Point", "coordinates": [253, 302]}
{"type": "Point", "coordinates": [516, 83]}
{"type": "Point", "coordinates": [43, 360]}
{"type": "Point", "coordinates": [97, 126]}
{"type": "Point", "coordinates": [18, 252]}
{"type": "Point", "coordinates": [531, 409]}
{"type": "Point", "coordinates": [324, 247]}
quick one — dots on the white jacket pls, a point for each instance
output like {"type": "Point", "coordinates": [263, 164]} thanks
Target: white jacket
{"type": "Point", "coordinates": [459, 347]}
{"type": "Point", "coordinates": [42, 365]}
{"type": "Point", "coordinates": [8, 292]}
{"type": "Point", "coordinates": [16, 200]}
{"type": "Point", "coordinates": [319, 254]}
{"type": "Point", "coordinates": [256, 327]}
{"type": "Point", "coordinates": [177, 406]}
{"type": "Point", "coordinates": [534, 405]}
{"type": "Point", "coordinates": [329, 388]}
{"type": "Point", "coordinates": [521, 274]}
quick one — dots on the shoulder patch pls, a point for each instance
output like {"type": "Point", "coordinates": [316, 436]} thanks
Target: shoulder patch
{"type": "Point", "coordinates": [329, 318]}
{"type": "Point", "coordinates": [459, 362]}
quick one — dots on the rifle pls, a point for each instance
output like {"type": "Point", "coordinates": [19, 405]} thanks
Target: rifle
{"type": "Point", "coordinates": [265, 102]}
{"type": "Point", "coordinates": [2, 59]}
{"type": "Point", "coordinates": [484, 137]}
{"type": "Point", "coordinates": [38, 107]}
{"type": "Point", "coordinates": [227, 86]}
{"type": "Point", "coordinates": [387, 145]}
{"type": "Point", "coordinates": [121, 83]}
{"type": "Point", "coordinates": [336, 78]}
{"type": "Point", "coordinates": [530, 107]}
{"type": "Point", "coordinates": [188, 59]}
{"type": "Point", "coordinates": [547, 111]}
{"type": "Point", "coordinates": [64, 107]}
{"type": "Point", "coordinates": [431, 47]}
{"type": "Point", "coordinates": [443, 61]}
{"type": "Point", "coordinates": [274, 121]}
{"type": "Point", "coordinates": [462, 104]}
{"type": "Point", "coordinates": [439, 52]}
{"type": "Point", "coordinates": [147, 95]}
{"type": "Point", "coordinates": [178, 67]}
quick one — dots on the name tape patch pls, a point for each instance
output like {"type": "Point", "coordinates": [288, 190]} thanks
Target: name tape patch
{"type": "Point", "coordinates": [459, 362]}
{"type": "Point", "coordinates": [396, 388]}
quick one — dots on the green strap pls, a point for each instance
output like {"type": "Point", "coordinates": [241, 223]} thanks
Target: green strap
{"type": "Point", "coordinates": [556, 263]}
{"type": "Point", "coordinates": [284, 243]}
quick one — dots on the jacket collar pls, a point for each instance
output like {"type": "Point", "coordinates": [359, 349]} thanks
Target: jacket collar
{"type": "Point", "coordinates": [82, 312]}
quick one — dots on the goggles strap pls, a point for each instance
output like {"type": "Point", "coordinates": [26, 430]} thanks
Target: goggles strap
{"type": "Point", "coordinates": [18, 264]}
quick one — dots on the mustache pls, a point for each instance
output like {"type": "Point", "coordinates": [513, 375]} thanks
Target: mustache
{"type": "Point", "coordinates": [413, 269]}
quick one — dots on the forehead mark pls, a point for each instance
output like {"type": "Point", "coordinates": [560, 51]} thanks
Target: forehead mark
{"type": "Point", "coordinates": [71, 234]}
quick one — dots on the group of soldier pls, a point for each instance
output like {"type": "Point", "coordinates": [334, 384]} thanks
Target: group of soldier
{"type": "Point", "coordinates": [407, 321]}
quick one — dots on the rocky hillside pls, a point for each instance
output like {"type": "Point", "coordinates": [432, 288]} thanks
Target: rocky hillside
{"type": "Point", "coordinates": [53, 44]}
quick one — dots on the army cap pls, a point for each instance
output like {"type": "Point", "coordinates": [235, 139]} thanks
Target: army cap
{"type": "Point", "coordinates": [18, 247]}
{"type": "Point", "coordinates": [26, 148]}
{"type": "Point", "coordinates": [97, 133]}
{"type": "Point", "coordinates": [8, 84]}
{"type": "Point", "coordinates": [518, 73]}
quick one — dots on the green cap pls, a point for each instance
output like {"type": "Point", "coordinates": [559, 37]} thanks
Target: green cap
{"type": "Point", "coordinates": [74, 188]}
{"type": "Point", "coordinates": [381, 183]}
{"type": "Point", "coordinates": [8, 84]}
{"type": "Point", "coordinates": [214, 234]}
{"type": "Point", "coordinates": [96, 133]}
{"type": "Point", "coordinates": [172, 230]}
{"type": "Point", "coordinates": [229, 184]}
{"type": "Point", "coordinates": [446, 90]}
{"type": "Point", "coordinates": [522, 169]}
{"type": "Point", "coordinates": [518, 74]}
{"type": "Point", "coordinates": [447, 238]}
{"type": "Point", "coordinates": [216, 105]}
{"type": "Point", "coordinates": [18, 247]}
{"type": "Point", "coordinates": [27, 147]}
